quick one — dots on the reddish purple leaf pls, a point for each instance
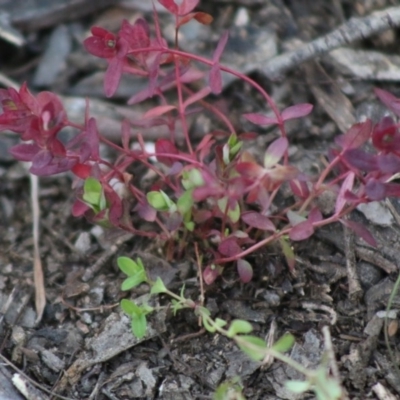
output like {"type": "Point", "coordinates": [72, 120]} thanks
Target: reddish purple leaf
{"type": "Point", "coordinates": [165, 147]}
{"type": "Point", "coordinates": [184, 7]}
{"type": "Point", "coordinates": [299, 188]}
{"type": "Point", "coordinates": [347, 186]}
{"type": "Point", "coordinates": [24, 152]}
{"type": "Point", "coordinates": [137, 35]}
{"type": "Point", "coordinates": [260, 119]}
{"type": "Point", "coordinates": [157, 111]}
{"type": "Point", "coordinates": [229, 247]}
{"type": "Point", "coordinates": [275, 152]}
{"type": "Point", "coordinates": [361, 160]}
{"type": "Point", "coordinates": [356, 136]}
{"type": "Point", "coordinates": [297, 111]}
{"type": "Point", "coordinates": [210, 274]}
{"type": "Point", "coordinates": [389, 100]}
{"type": "Point", "coordinates": [220, 47]}
{"type": "Point", "coordinates": [389, 163]}
{"type": "Point", "coordinates": [376, 190]}
{"type": "Point", "coordinates": [392, 190]}
{"type": "Point", "coordinates": [301, 231]}
{"type": "Point", "coordinates": [113, 76]}
{"type": "Point", "coordinates": [146, 211]}
{"type": "Point", "coordinates": [79, 208]}
{"type": "Point", "coordinates": [386, 136]}
{"type": "Point", "coordinates": [315, 215]}
{"type": "Point", "coordinates": [197, 96]}
{"type": "Point", "coordinates": [257, 220]}
{"type": "Point", "coordinates": [360, 230]}
{"type": "Point", "coordinates": [250, 169]}
{"type": "Point", "coordinates": [245, 271]}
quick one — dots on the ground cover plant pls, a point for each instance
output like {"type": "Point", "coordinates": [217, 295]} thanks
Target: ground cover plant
{"type": "Point", "coordinates": [211, 193]}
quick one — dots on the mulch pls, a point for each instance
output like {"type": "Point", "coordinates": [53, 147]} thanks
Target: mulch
{"type": "Point", "coordinates": [331, 54]}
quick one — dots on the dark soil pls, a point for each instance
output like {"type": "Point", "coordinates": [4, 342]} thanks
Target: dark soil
{"type": "Point", "coordinates": [83, 348]}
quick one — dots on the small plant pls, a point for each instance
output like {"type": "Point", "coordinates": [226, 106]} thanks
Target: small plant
{"type": "Point", "coordinates": [210, 192]}
{"type": "Point", "coordinates": [319, 380]}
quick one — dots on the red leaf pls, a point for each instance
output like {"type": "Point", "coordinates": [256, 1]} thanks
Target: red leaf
{"type": "Point", "coordinates": [81, 170]}
{"type": "Point", "coordinates": [376, 190]}
{"type": "Point", "coordinates": [389, 100]}
{"type": "Point", "coordinates": [361, 160]}
{"type": "Point", "coordinates": [301, 231]}
{"type": "Point", "coordinates": [197, 96]}
{"type": "Point", "coordinates": [183, 8]}
{"type": "Point", "coordinates": [245, 270]}
{"type": "Point", "coordinates": [137, 35]}
{"type": "Point", "coordinates": [315, 215]}
{"type": "Point", "coordinates": [229, 247]}
{"type": "Point", "coordinates": [356, 136]}
{"type": "Point", "coordinates": [347, 186]}
{"type": "Point", "coordinates": [275, 152]}
{"type": "Point", "coordinates": [113, 76]}
{"type": "Point", "coordinates": [24, 152]}
{"type": "Point", "coordinates": [220, 46]}
{"type": "Point", "coordinates": [165, 146]}
{"type": "Point", "coordinates": [299, 188]}
{"type": "Point", "coordinates": [297, 111]}
{"type": "Point", "coordinates": [201, 17]}
{"type": "Point", "coordinates": [157, 111]}
{"type": "Point", "coordinates": [257, 220]}
{"type": "Point", "coordinates": [250, 169]}
{"type": "Point", "coordinates": [360, 230]}
{"type": "Point", "coordinates": [260, 119]}
{"type": "Point", "coordinates": [79, 208]}
{"type": "Point", "coordinates": [210, 274]}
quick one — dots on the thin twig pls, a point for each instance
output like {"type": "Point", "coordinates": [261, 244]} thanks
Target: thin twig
{"type": "Point", "coordinates": [350, 31]}
{"type": "Point", "coordinates": [38, 385]}
{"type": "Point", "coordinates": [355, 290]}
{"type": "Point", "coordinates": [40, 291]}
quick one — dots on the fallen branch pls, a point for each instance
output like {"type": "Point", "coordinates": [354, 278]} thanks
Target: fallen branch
{"type": "Point", "coordinates": [350, 31]}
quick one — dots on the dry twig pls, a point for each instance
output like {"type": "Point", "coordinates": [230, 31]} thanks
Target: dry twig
{"type": "Point", "coordinates": [350, 31]}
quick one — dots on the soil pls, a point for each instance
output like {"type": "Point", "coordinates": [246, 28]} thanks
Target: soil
{"type": "Point", "coordinates": [82, 347]}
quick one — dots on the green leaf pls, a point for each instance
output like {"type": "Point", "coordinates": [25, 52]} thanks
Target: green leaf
{"type": "Point", "coordinates": [128, 266]}
{"type": "Point", "coordinates": [157, 201]}
{"type": "Point", "coordinates": [209, 327]}
{"type": "Point", "coordinates": [225, 154]}
{"type": "Point", "coordinates": [284, 344]}
{"type": "Point", "coordinates": [222, 204]}
{"type": "Point", "coordinates": [220, 323]}
{"type": "Point", "coordinates": [288, 252]}
{"type": "Point", "coordinates": [93, 194]}
{"type": "Point", "coordinates": [229, 390]}
{"type": "Point", "coordinates": [239, 326]}
{"type": "Point", "coordinates": [234, 214]}
{"type": "Point", "coordinates": [325, 387]}
{"type": "Point", "coordinates": [298, 386]}
{"type": "Point", "coordinates": [134, 280]}
{"type": "Point", "coordinates": [176, 306]}
{"type": "Point", "coordinates": [189, 226]}
{"type": "Point", "coordinates": [130, 308]}
{"type": "Point", "coordinates": [192, 179]}
{"type": "Point", "coordinates": [185, 202]}
{"type": "Point", "coordinates": [139, 325]}
{"type": "Point", "coordinates": [158, 286]}
{"type": "Point", "coordinates": [253, 346]}
{"type": "Point", "coordinates": [235, 149]}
